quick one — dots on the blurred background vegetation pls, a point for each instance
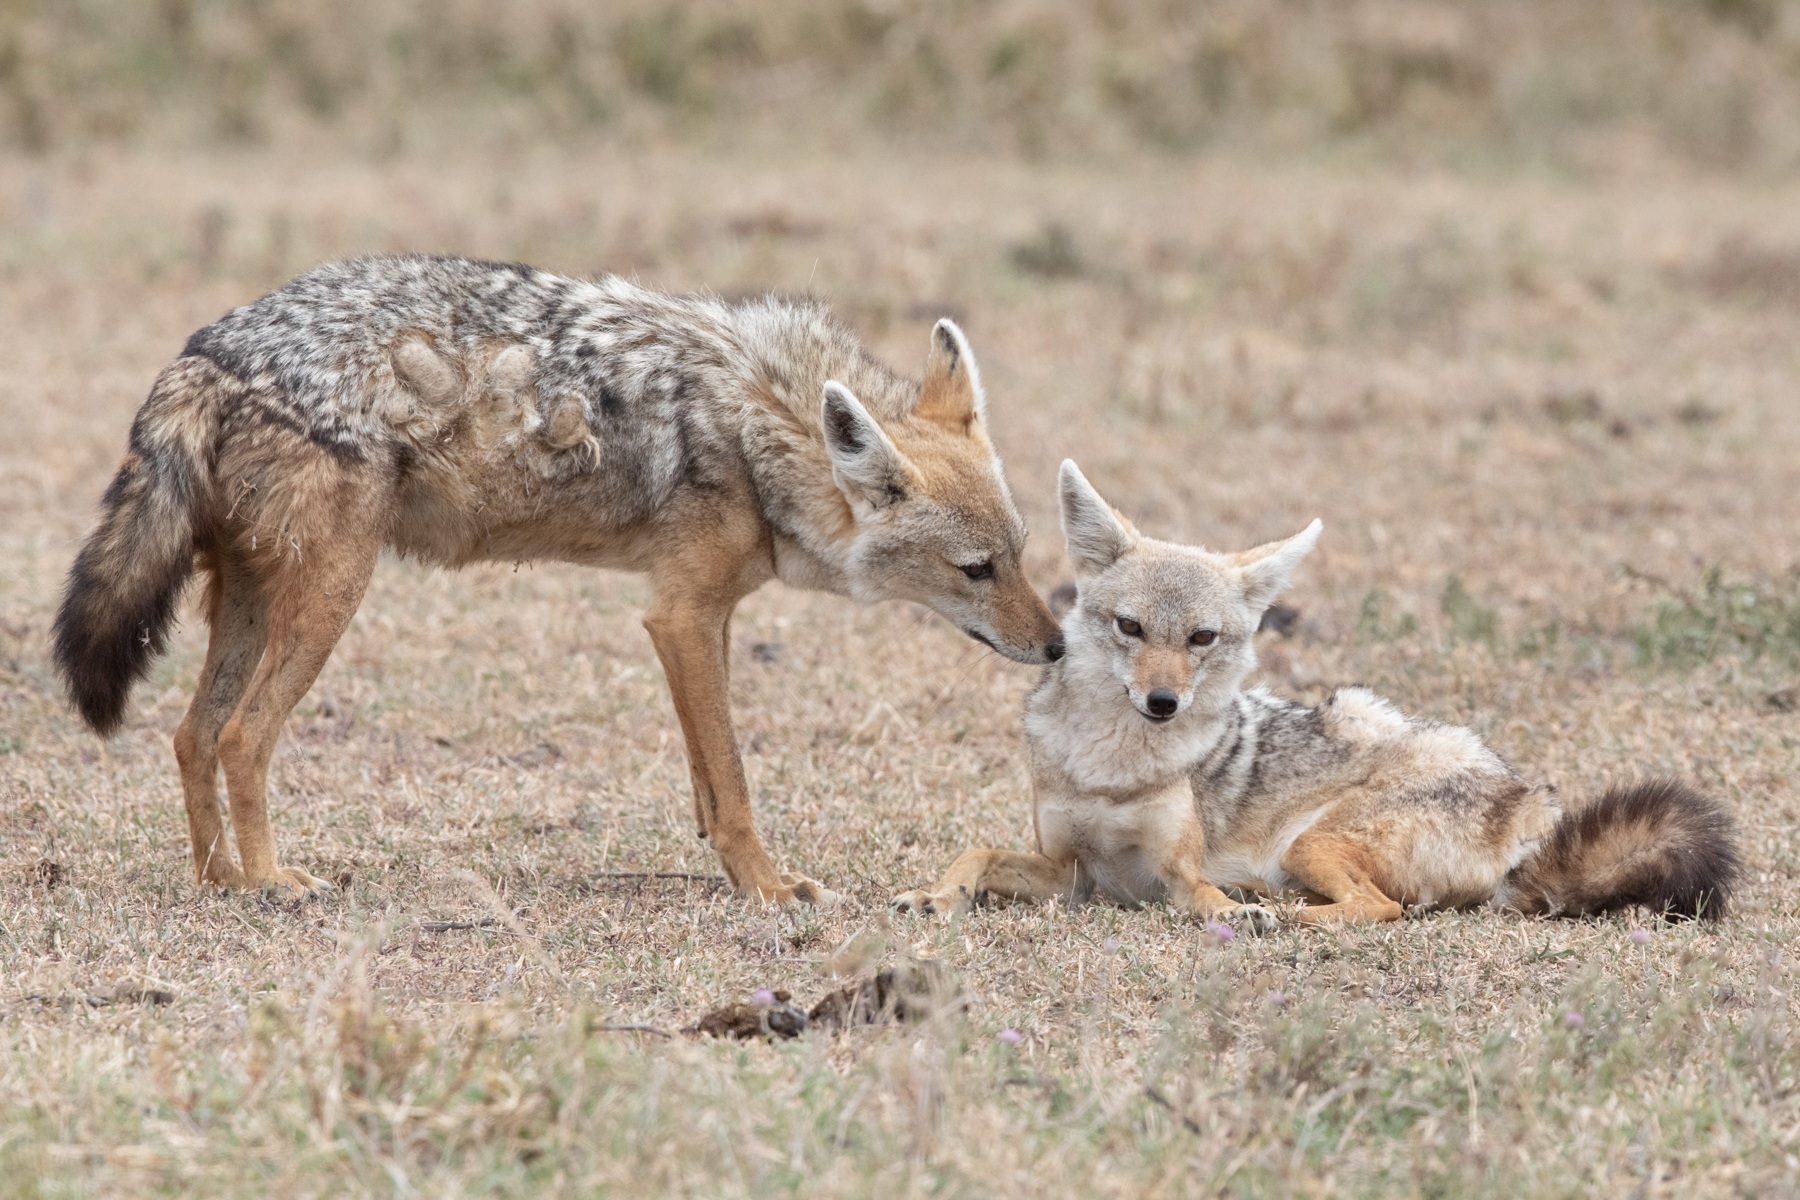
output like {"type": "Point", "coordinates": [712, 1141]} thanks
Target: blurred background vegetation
{"type": "Point", "coordinates": [1577, 85]}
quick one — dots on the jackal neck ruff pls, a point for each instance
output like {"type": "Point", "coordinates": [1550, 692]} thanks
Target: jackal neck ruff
{"type": "Point", "coordinates": [1080, 724]}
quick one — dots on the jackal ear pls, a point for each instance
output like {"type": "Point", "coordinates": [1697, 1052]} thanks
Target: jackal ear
{"type": "Point", "coordinates": [865, 464]}
{"type": "Point", "coordinates": [952, 394]}
{"type": "Point", "coordinates": [1265, 571]}
{"type": "Point", "coordinates": [1094, 534]}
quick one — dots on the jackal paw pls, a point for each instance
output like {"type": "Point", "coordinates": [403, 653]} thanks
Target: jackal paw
{"type": "Point", "coordinates": [922, 903]}
{"type": "Point", "coordinates": [304, 885]}
{"type": "Point", "coordinates": [916, 901]}
{"type": "Point", "coordinates": [1251, 918]}
{"type": "Point", "coordinates": [798, 889]}
{"type": "Point", "coordinates": [223, 876]}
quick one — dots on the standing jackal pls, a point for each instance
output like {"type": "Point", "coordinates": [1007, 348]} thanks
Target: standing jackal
{"type": "Point", "coordinates": [1155, 775]}
{"type": "Point", "coordinates": [458, 411]}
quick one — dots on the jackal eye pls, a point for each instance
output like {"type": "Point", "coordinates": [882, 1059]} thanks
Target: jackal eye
{"type": "Point", "coordinates": [1204, 637]}
{"type": "Point", "coordinates": [980, 570]}
{"type": "Point", "coordinates": [1129, 627]}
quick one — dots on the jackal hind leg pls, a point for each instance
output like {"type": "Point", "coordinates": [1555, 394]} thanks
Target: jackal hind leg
{"type": "Point", "coordinates": [1340, 868]}
{"type": "Point", "coordinates": [975, 874]}
{"type": "Point", "coordinates": [310, 603]}
{"type": "Point", "coordinates": [237, 612]}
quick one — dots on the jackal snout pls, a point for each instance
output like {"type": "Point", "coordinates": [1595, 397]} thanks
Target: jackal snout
{"type": "Point", "coordinates": [1161, 680]}
{"type": "Point", "coordinates": [934, 520]}
{"type": "Point", "coordinates": [1022, 627]}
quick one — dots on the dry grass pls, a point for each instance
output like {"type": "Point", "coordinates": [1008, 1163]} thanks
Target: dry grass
{"type": "Point", "coordinates": [1595, 84]}
{"type": "Point", "coordinates": [1533, 415]}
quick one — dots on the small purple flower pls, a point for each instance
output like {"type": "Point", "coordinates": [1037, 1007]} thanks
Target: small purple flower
{"type": "Point", "coordinates": [1110, 944]}
{"type": "Point", "coordinates": [1277, 997]}
{"type": "Point", "coordinates": [1641, 936]}
{"type": "Point", "coordinates": [763, 996]}
{"type": "Point", "coordinates": [1220, 930]}
{"type": "Point", "coordinates": [1573, 1019]}
{"type": "Point", "coordinates": [1011, 1037]}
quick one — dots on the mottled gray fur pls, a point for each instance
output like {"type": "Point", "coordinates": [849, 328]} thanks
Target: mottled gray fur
{"type": "Point", "coordinates": [458, 410]}
{"type": "Point", "coordinates": [659, 379]}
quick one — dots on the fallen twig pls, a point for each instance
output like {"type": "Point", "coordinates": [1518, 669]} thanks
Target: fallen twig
{"type": "Point", "coordinates": [914, 991]}
{"type": "Point", "coordinates": [770, 1017]}
{"type": "Point", "coordinates": [632, 1027]}
{"type": "Point", "coordinates": [447, 926]}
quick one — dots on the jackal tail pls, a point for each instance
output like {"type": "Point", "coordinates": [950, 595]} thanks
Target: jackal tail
{"type": "Point", "coordinates": [124, 586]}
{"type": "Point", "coordinates": [1658, 844]}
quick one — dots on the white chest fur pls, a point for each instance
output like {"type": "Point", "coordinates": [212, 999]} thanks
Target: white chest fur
{"type": "Point", "coordinates": [1119, 843]}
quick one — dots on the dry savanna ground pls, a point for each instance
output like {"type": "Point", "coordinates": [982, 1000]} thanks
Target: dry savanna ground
{"type": "Point", "coordinates": [1552, 430]}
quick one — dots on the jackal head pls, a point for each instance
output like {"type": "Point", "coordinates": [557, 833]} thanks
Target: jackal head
{"type": "Point", "coordinates": [1175, 625]}
{"type": "Point", "coordinates": [935, 522]}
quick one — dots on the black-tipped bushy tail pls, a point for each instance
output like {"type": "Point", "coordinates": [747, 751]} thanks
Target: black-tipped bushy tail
{"type": "Point", "coordinates": [125, 583]}
{"type": "Point", "coordinates": [1658, 844]}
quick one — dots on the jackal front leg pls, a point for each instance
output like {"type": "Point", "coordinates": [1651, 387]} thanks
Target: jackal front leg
{"type": "Point", "coordinates": [977, 873]}
{"type": "Point", "coordinates": [689, 627]}
{"type": "Point", "coordinates": [1183, 873]}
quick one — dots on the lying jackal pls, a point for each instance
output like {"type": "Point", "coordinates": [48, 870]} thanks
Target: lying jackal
{"type": "Point", "coordinates": [1157, 776]}
{"type": "Point", "coordinates": [459, 411]}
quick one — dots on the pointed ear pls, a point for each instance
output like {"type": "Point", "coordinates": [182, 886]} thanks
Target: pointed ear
{"type": "Point", "coordinates": [952, 394]}
{"type": "Point", "coordinates": [1093, 533]}
{"type": "Point", "coordinates": [866, 465]}
{"type": "Point", "coordinates": [1265, 571]}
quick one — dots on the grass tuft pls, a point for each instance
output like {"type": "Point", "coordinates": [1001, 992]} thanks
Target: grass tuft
{"type": "Point", "coordinates": [1742, 619]}
{"type": "Point", "coordinates": [1469, 621]}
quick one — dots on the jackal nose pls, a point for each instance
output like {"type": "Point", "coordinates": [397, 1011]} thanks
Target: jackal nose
{"type": "Point", "coordinates": [1162, 703]}
{"type": "Point", "coordinates": [1053, 651]}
